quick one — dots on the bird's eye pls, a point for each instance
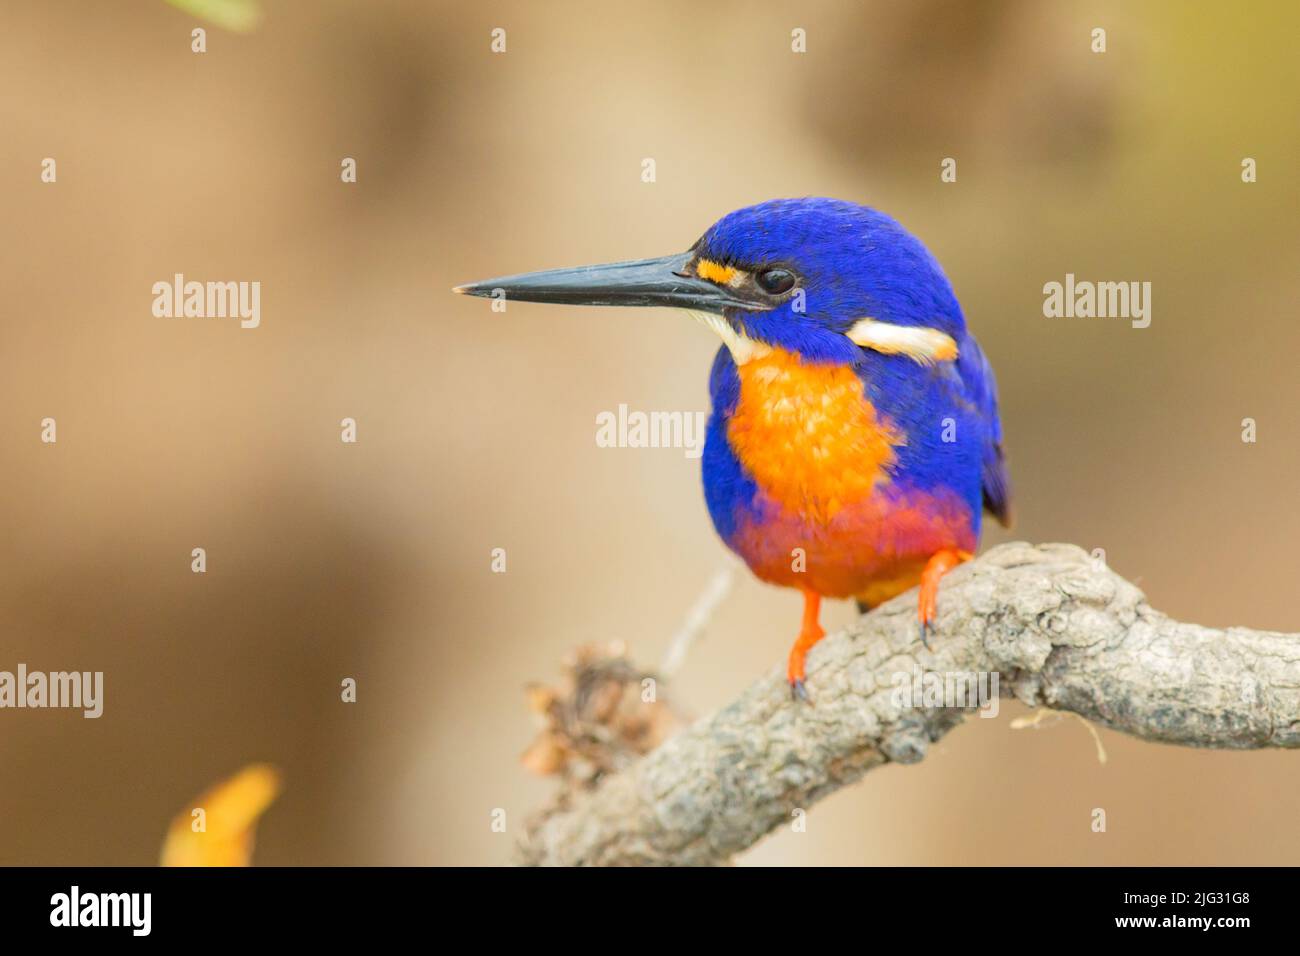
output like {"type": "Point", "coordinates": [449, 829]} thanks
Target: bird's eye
{"type": "Point", "coordinates": [775, 281]}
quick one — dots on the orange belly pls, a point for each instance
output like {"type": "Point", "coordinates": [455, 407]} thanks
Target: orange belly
{"type": "Point", "coordinates": [870, 550]}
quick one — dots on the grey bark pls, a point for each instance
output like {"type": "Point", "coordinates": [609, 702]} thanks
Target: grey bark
{"type": "Point", "coordinates": [1060, 629]}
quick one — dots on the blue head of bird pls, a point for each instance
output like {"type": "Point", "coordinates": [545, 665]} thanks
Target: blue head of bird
{"type": "Point", "coordinates": [821, 278]}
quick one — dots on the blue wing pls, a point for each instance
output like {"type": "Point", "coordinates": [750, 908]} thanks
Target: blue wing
{"type": "Point", "coordinates": [982, 390]}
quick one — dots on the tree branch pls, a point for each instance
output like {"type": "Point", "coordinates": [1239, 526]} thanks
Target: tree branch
{"type": "Point", "coordinates": [1058, 628]}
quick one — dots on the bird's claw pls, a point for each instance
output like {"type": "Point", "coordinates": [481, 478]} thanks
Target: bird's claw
{"type": "Point", "coordinates": [939, 564]}
{"type": "Point", "coordinates": [798, 691]}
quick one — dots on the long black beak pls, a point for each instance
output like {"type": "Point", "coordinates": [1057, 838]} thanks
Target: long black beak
{"type": "Point", "coordinates": [643, 282]}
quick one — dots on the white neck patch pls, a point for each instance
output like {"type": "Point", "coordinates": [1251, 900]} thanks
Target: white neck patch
{"type": "Point", "coordinates": [741, 347]}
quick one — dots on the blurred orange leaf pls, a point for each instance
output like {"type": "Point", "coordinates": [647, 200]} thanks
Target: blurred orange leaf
{"type": "Point", "coordinates": [218, 830]}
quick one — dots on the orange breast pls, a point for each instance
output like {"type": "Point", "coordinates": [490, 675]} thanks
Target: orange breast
{"type": "Point", "coordinates": [808, 435]}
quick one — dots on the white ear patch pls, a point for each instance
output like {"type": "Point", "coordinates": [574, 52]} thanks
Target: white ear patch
{"type": "Point", "coordinates": [924, 345]}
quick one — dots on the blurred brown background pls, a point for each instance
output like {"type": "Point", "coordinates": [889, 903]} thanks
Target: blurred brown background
{"type": "Point", "coordinates": [476, 430]}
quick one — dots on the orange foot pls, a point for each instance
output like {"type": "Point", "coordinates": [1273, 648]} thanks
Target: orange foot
{"type": "Point", "coordinates": [809, 634]}
{"type": "Point", "coordinates": [940, 563]}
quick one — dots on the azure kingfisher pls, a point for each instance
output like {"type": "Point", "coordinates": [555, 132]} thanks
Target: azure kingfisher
{"type": "Point", "coordinates": [854, 438]}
